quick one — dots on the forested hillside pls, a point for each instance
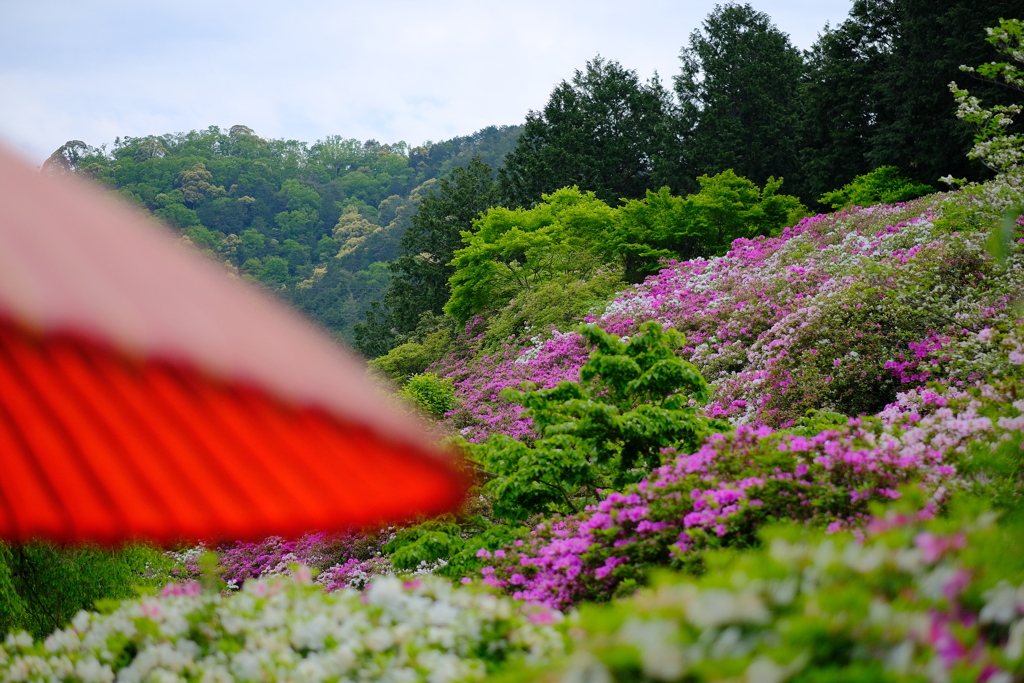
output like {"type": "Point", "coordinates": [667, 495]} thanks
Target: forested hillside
{"type": "Point", "coordinates": [315, 222]}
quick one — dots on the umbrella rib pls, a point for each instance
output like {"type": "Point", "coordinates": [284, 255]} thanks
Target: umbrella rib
{"type": "Point", "coordinates": [322, 428]}
{"type": "Point", "coordinates": [150, 435]}
{"type": "Point", "coordinates": [33, 462]}
{"type": "Point", "coordinates": [87, 362]}
{"type": "Point", "coordinates": [174, 377]}
{"type": "Point", "coordinates": [385, 468]}
{"type": "Point", "coordinates": [272, 429]}
{"type": "Point", "coordinates": [268, 433]}
{"type": "Point", "coordinates": [8, 511]}
{"type": "Point", "coordinates": [45, 412]}
{"type": "Point", "coordinates": [189, 382]}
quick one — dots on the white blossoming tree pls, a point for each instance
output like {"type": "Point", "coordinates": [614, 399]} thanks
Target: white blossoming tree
{"type": "Point", "coordinates": [994, 144]}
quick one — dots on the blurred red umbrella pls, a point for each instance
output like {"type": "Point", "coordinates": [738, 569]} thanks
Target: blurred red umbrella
{"type": "Point", "coordinates": [145, 394]}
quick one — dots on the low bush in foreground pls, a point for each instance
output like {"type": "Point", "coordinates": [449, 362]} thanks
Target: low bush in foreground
{"type": "Point", "coordinates": [824, 471]}
{"type": "Point", "coordinates": [288, 629]}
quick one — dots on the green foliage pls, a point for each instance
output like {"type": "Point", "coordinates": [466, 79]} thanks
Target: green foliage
{"type": "Point", "coordinates": [432, 394]}
{"type": "Point", "coordinates": [42, 585]}
{"type": "Point", "coordinates": [635, 398]}
{"type": "Point", "coordinates": [422, 269]}
{"type": "Point", "coordinates": [402, 362]}
{"type": "Point", "coordinates": [514, 250]}
{"type": "Point", "coordinates": [884, 185]}
{"type": "Point", "coordinates": [559, 303]}
{"type": "Point", "coordinates": [604, 131]}
{"type": "Point", "coordinates": [727, 207]}
{"type": "Point", "coordinates": [452, 545]}
{"type": "Point", "coordinates": [425, 543]}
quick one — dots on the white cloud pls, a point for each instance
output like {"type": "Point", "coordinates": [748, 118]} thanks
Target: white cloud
{"type": "Point", "coordinates": [390, 70]}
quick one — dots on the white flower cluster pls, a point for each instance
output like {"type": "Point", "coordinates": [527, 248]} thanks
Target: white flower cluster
{"type": "Point", "coordinates": [537, 342]}
{"type": "Point", "coordinates": [287, 629]}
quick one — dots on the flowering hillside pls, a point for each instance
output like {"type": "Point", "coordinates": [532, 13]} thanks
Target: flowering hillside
{"type": "Point", "coordinates": [840, 312]}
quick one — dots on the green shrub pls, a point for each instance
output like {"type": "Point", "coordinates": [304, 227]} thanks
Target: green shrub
{"type": "Point", "coordinates": [43, 585]}
{"type": "Point", "coordinates": [402, 362]}
{"type": "Point", "coordinates": [634, 400]}
{"type": "Point", "coordinates": [884, 185]}
{"type": "Point", "coordinates": [456, 546]}
{"type": "Point", "coordinates": [432, 394]}
{"type": "Point", "coordinates": [560, 303]}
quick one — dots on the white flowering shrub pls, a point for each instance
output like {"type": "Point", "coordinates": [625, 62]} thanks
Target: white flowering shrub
{"type": "Point", "coordinates": [286, 628]}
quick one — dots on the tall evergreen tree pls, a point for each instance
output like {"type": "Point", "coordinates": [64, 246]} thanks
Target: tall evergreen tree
{"type": "Point", "coordinates": [422, 269]}
{"type": "Point", "coordinates": [604, 131]}
{"type": "Point", "coordinates": [738, 94]}
{"type": "Point", "coordinates": [920, 133]}
{"type": "Point", "coordinates": [840, 96]}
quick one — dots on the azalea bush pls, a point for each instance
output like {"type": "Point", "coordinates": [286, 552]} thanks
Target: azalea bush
{"type": "Point", "coordinates": [340, 560]}
{"type": "Point", "coordinates": [288, 629]}
{"type": "Point", "coordinates": [825, 471]}
{"type": "Point", "coordinates": [840, 312]}
{"type": "Point", "coordinates": [907, 600]}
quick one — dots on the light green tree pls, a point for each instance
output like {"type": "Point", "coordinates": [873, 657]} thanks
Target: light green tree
{"type": "Point", "coordinates": [511, 250]}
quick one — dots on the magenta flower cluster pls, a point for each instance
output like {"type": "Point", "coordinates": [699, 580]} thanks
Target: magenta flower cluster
{"type": "Point", "coordinates": [722, 493]}
{"type": "Point", "coordinates": [340, 558]}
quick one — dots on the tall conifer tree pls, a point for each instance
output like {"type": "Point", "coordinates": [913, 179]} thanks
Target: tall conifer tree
{"type": "Point", "coordinates": [422, 268]}
{"type": "Point", "coordinates": [738, 96]}
{"type": "Point", "coordinates": [604, 131]}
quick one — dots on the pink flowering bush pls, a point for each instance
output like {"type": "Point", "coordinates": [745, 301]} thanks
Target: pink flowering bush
{"type": "Point", "coordinates": [827, 470]}
{"type": "Point", "coordinates": [341, 559]}
{"type": "Point", "coordinates": [479, 378]}
{"type": "Point", "coordinates": [909, 599]}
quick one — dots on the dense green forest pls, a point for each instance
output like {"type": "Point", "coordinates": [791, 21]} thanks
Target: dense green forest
{"type": "Point", "coordinates": [316, 223]}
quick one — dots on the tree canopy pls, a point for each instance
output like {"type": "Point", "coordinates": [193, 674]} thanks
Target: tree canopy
{"type": "Point", "coordinates": [604, 130]}
{"type": "Point", "coordinates": [738, 100]}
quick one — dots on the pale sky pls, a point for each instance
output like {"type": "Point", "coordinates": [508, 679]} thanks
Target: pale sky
{"type": "Point", "coordinates": [391, 70]}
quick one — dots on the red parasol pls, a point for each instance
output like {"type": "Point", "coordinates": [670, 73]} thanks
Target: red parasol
{"type": "Point", "coordinates": [146, 394]}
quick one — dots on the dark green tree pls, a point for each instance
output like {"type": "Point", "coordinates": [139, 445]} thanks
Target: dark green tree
{"type": "Point", "coordinates": [738, 97]}
{"type": "Point", "coordinates": [920, 134]}
{"type": "Point", "coordinates": [876, 91]}
{"type": "Point", "coordinates": [604, 131]}
{"type": "Point", "coordinates": [840, 97]}
{"type": "Point", "coordinates": [422, 269]}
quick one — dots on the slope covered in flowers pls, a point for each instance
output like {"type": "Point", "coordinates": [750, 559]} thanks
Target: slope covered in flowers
{"type": "Point", "coordinates": [840, 312]}
{"type": "Point", "coordinates": [825, 474]}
